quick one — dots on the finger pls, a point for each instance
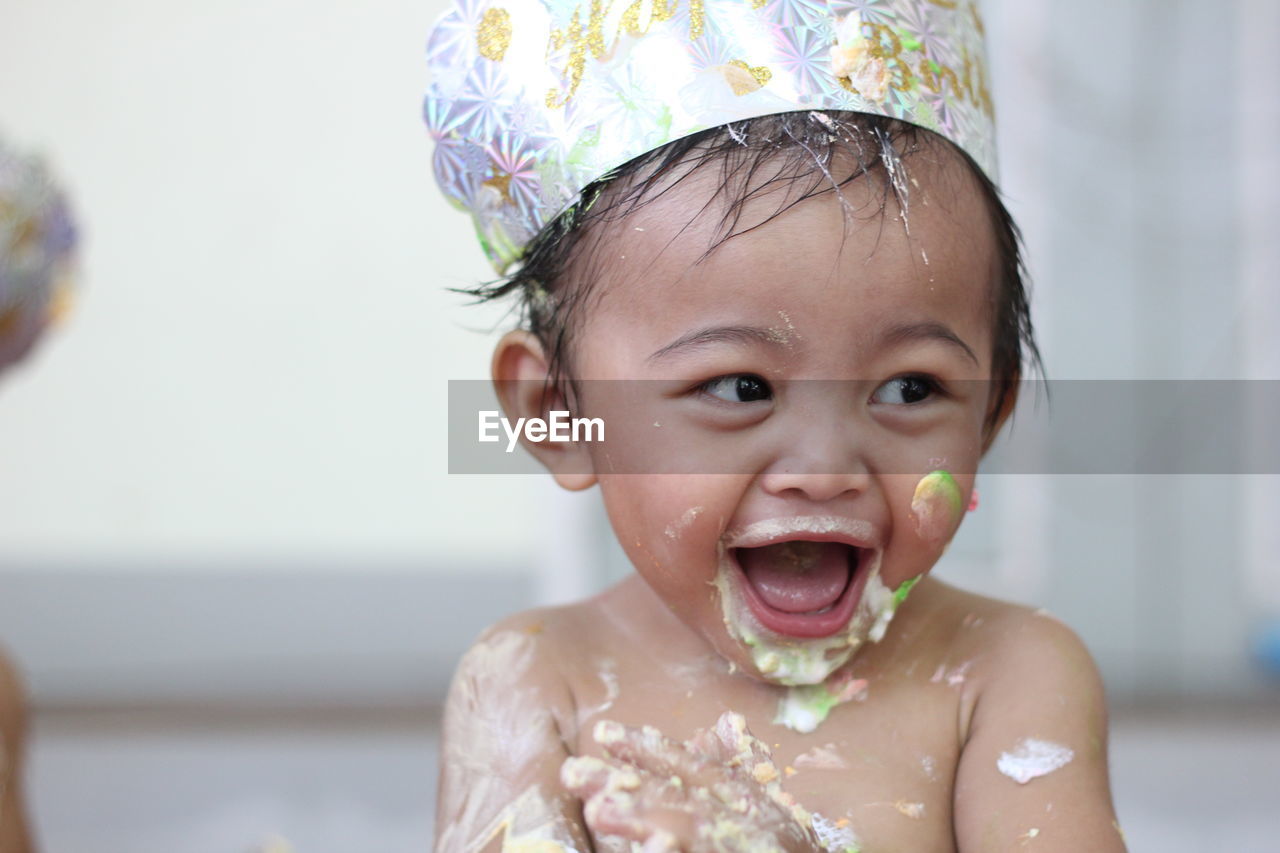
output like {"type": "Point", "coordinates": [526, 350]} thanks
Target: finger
{"type": "Point", "coordinates": [585, 776]}
{"type": "Point", "coordinates": [661, 841]}
{"type": "Point", "coordinates": [649, 750]}
{"type": "Point", "coordinates": [614, 813]}
{"type": "Point", "coordinates": [654, 755]}
{"type": "Point", "coordinates": [737, 748]}
{"type": "Point", "coordinates": [741, 747]}
{"type": "Point", "coordinates": [693, 817]}
{"type": "Point", "coordinates": [646, 817]}
{"type": "Point", "coordinates": [729, 742]}
{"type": "Point", "coordinates": [598, 779]}
{"type": "Point", "coordinates": [705, 743]}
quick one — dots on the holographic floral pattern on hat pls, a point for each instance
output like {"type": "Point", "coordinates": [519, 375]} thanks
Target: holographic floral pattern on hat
{"type": "Point", "coordinates": [531, 100]}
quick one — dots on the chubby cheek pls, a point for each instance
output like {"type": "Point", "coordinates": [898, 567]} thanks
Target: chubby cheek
{"type": "Point", "coordinates": [670, 526]}
{"type": "Point", "coordinates": [927, 511]}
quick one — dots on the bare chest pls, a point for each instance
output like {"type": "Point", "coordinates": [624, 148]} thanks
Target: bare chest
{"type": "Point", "coordinates": [877, 772]}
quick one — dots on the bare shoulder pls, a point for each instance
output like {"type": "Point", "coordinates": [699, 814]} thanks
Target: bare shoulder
{"type": "Point", "coordinates": [1007, 645]}
{"type": "Point", "coordinates": [515, 677]}
{"type": "Point", "coordinates": [1019, 649]}
{"type": "Point", "coordinates": [523, 646]}
{"type": "Point", "coordinates": [541, 653]}
{"type": "Point", "coordinates": [1035, 733]}
{"type": "Point", "coordinates": [508, 720]}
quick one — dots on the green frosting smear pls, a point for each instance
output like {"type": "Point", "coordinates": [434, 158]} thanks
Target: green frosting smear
{"type": "Point", "coordinates": [900, 594]}
{"type": "Point", "coordinates": [947, 484]}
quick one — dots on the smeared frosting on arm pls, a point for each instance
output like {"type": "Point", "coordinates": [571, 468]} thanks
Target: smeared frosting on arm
{"type": "Point", "coordinates": [1032, 758]}
{"type": "Point", "coordinates": [500, 756]}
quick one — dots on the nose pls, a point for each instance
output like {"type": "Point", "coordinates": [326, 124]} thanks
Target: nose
{"type": "Point", "coordinates": [821, 464]}
{"type": "Point", "coordinates": [817, 487]}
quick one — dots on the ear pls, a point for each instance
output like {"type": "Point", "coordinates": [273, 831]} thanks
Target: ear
{"type": "Point", "coordinates": [521, 371]}
{"type": "Point", "coordinates": [1006, 409]}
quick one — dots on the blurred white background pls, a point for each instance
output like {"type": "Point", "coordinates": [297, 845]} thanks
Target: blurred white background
{"type": "Point", "coordinates": [233, 566]}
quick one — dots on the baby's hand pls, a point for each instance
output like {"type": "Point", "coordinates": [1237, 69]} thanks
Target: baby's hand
{"type": "Point", "coordinates": [717, 791]}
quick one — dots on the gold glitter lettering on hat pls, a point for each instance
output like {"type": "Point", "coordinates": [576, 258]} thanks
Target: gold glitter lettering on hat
{"type": "Point", "coordinates": [595, 28]}
{"type": "Point", "coordinates": [695, 18]}
{"type": "Point", "coordinates": [932, 74]}
{"type": "Point", "coordinates": [493, 34]}
{"type": "Point", "coordinates": [577, 58]}
{"type": "Point", "coordinates": [977, 19]}
{"type": "Point", "coordinates": [665, 11]}
{"type": "Point", "coordinates": [881, 33]}
{"type": "Point", "coordinates": [592, 37]}
{"type": "Point", "coordinates": [571, 35]}
{"type": "Point", "coordinates": [659, 10]}
{"type": "Point", "coordinates": [630, 21]}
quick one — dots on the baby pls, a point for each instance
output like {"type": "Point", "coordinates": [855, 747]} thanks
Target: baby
{"type": "Point", "coordinates": [802, 329]}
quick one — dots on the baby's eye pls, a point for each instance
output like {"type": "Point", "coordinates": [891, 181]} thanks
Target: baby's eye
{"type": "Point", "coordinates": [738, 388]}
{"type": "Point", "coordinates": [905, 390]}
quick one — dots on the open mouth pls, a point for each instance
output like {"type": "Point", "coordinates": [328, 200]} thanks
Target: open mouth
{"type": "Point", "coordinates": [802, 588]}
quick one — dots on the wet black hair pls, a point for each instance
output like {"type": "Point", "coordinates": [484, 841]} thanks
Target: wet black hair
{"type": "Point", "coordinates": [796, 153]}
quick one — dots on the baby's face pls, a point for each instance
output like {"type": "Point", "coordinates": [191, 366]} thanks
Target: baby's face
{"type": "Point", "coordinates": [806, 375]}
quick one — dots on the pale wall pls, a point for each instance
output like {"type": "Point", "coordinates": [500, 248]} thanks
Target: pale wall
{"type": "Point", "coordinates": [257, 362]}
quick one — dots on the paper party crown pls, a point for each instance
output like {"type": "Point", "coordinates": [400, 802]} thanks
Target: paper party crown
{"type": "Point", "coordinates": [532, 100]}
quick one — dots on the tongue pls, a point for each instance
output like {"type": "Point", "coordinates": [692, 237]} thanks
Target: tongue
{"type": "Point", "coordinates": [797, 577]}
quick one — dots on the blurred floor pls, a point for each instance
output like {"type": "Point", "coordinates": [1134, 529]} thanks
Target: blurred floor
{"type": "Point", "coordinates": [228, 783]}
{"type": "Point", "coordinates": [1195, 780]}
{"type": "Point", "coordinates": [1184, 782]}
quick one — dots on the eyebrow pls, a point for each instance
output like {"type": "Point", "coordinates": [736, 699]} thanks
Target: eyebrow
{"type": "Point", "coordinates": [926, 331]}
{"type": "Point", "coordinates": [717, 335]}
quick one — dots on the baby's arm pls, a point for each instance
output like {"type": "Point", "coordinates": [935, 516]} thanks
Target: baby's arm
{"type": "Point", "coordinates": [1033, 767]}
{"type": "Point", "coordinates": [502, 748]}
